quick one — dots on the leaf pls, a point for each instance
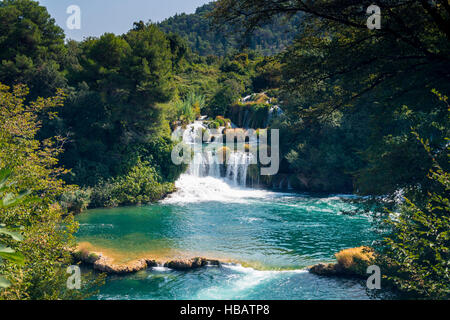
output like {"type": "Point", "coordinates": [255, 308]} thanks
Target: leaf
{"type": "Point", "coordinates": [5, 173]}
{"type": "Point", "coordinates": [4, 283]}
{"type": "Point", "coordinates": [12, 255]}
{"type": "Point", "coordinates": [15, 235]}
{"type": "Point", "coordinates": [10, 200]}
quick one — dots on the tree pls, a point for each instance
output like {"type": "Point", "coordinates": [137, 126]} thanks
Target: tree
{"type": "Point", "coordinates": [120, 82]}
{"type": "Point", "coordinates": [206, 39]}
{"type": "Point", "coordinates": [32, 48]}
{"type": "Point", "coordinates": [417, 254]}
{"type": "Point", "coordinates": [9, 200]}
{"type": "Point", "coordinates": [228, 94]}
{"type": "Point", "coordinates": [47, 231]}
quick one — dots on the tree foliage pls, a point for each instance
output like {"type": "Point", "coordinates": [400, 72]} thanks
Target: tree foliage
{"type": "Point", "coordinates": [206, 39]}
{"type": "Point", "coordinates": [46, 230]}
{"type": "Point", "coordinates": [348, 85]}
{"type": "Point", "coordinates": [32, 48]}
{"type": "Point", "coordinates": [346, 126]}
{"type": "Point", "coordinates": [417, 254]}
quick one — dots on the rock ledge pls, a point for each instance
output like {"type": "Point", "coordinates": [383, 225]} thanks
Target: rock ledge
{"type": "Point", "coordinates": [105, 264]}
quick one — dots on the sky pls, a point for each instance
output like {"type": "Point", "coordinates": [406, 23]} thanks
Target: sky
{"type": "Point", "coordinates": [116, 16]}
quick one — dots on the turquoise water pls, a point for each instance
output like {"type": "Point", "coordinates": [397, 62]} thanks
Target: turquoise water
{"type": "Point", "coordinates": [267, 238]}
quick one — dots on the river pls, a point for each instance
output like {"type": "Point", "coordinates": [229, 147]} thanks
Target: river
{"type": "Point", "coordinates": [266, 238]}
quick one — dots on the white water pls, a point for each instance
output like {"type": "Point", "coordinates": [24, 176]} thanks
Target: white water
{"type": "Point", "coordinates": [192, 189]}
{"type": "Point", "coordinates": [204, 179]}
{"type": "Point", "coordinates": [246, 278]}
{"type": "Point", "coordinates": [237, 168]}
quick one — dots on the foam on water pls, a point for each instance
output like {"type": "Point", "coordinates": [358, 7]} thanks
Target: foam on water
{"type": "Point", "coordinates": [242, 280]}
{"type": "Point", "coordinates": [161, 269]}
{"type": "Point", "coordinates": [191, 189]}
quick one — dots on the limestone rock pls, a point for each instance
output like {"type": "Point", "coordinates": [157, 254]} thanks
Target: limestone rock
{"type": "Point", "coordinates": [105, 264]}
{"type": "Point", "coordinates": [186, 264]}
{"type": "Point", "coordinates": [325, 269]}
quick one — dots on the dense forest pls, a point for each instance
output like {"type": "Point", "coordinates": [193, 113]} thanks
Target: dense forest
{"type": "Point", "coordinates": [206, 39]}
{"type": "Point", "coordinates": [88, 124]}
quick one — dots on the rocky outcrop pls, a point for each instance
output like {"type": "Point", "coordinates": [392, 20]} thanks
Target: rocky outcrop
{"type": "Point", "coordinates": [188, 264]}
{"type": "Point", "coordinates": [327, 269]}
{"type": "Point", "coordinates": [105, 264]}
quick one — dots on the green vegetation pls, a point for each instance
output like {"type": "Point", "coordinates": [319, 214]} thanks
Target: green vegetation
{"type": "Point", "coordinates": [346, 127]}
{"type": "Point", "coordinates": [34, 267]}
{"type": "Point", "coordinates": [206, 40]}
{"type": "Point", "coordinates": [418, 251]}
{"type": "Point", "coordinates": [140, 186]}
{"type": "Point", "coordinates": [9, 200]}
{"type": "Point", "coordinates": [253, 113]}
{"type": "Point", "coordinates": [185, 111]}
{"type": "Point", "coordinates": [88, 124]}
{"type": "Point", "coordinates": [32, 49]}
{"type": "Point", "coordinates": [114, 86]}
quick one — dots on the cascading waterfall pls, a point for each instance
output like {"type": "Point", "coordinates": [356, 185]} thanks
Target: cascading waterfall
{"type": "Point", "coordinates": [209, 179]}
{"type": "Point", "coordinates": [237, 167]}
{"type": "Point", "coordinates": [205, 163]}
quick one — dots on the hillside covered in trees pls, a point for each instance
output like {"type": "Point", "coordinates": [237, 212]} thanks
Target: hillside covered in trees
{"type": "Point", "coordinates": [207, 39]}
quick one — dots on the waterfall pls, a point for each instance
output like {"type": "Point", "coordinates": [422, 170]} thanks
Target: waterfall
{"type": "Point", "coordinates": [204, 164]}
{"type": "Point", "coordinates": [205, 161]}
{"type": "Point", "coordinates": [207, 179]}
{"type": "Point", "coordinates": [237, 168]}
{"type": "Point", "coordinates": [207, 164]}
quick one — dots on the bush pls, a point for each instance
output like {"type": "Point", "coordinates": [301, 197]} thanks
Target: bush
{"type": "Point", "coordinates": [214, 125]}
{"type": "Point", "coordinates": [355, 260]}
{"type": "Point", "coordinates": [140, 186]}
{"type": "Point", "coordinates": [76, 201]}
{"type": "Point", "coordinates": [221, 121]}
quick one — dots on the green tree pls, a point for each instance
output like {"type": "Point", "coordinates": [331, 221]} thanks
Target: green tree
{"type": "Point", "coordinates": [46, 229]}
{"type": "Point", "coordinates": [205, 39]}
{"type": "Point", "coordinates": [417, 254]}
{"type": "Point", "coordinates": [120, 84]}
{"type": "Point", "coordinates": [9, 200]}
{"type": "Point", "coordinates": [32, 48]}
{"type": "Point", "coordinates": [338, 70]}
{"type": "Point", "coordinates": [230, 91]}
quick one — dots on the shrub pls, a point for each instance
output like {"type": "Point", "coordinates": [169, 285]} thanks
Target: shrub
{"type": "Point", "coordinates": [76, 201]}
{"type": "Point", "coordinates": [213, 125]}
{"type": "Point", "coordinates": [221, 121]}
{"type": "Point", "coordinates": [355, 260]}
{"type": "Point", "coordinates": [140, 186]}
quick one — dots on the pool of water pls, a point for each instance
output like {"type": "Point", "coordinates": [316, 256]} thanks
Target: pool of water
{"type": "Point", "coordinates": [267, 239]}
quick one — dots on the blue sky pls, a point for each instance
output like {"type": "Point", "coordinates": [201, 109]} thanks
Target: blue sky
{"type": "Point", "coordinates": [117, 16]}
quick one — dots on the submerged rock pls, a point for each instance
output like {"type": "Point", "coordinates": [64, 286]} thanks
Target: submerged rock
{"type": "Point", "coordinates": [151, 263]}
{"type": "Point", "coordinates": [326, 269]}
